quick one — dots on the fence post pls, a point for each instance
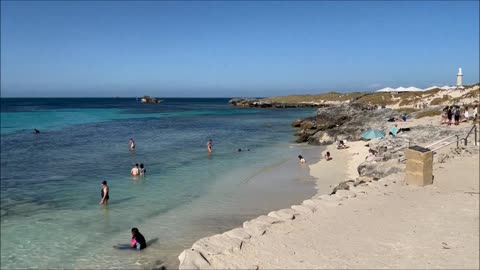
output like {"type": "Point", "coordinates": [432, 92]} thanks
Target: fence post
{"type": "Point", "coordinates": [475, 135]}
{"type": "Point", "coordinates": [457, 140]}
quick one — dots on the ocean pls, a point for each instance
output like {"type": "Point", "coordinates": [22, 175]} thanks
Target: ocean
{"type": "Point", "coordinates": [50, 182]}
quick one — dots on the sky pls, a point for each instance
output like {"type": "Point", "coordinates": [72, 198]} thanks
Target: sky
{"type": "Point", "coordinates": [233, 48]}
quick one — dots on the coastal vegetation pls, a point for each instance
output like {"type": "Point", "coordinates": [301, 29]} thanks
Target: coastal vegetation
{"type": "Point", "coordinates": [427, 113]}
{"type": "Point", "coordinates": [416, 99]}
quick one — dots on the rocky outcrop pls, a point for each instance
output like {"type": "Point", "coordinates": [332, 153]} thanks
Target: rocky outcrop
{"type": "Point", "coordinates": [264, 103]}
{"type": "Point", "coordinates": [149, 99]}
{"type": "Point", "coordinates": [343, 122]}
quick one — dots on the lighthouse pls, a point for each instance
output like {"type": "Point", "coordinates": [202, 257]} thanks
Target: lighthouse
{"type": "Point", "coordinates": [459, 78]}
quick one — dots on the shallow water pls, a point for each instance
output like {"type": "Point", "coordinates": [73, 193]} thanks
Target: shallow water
{"type": "Point", "coordinates": [50, 182]}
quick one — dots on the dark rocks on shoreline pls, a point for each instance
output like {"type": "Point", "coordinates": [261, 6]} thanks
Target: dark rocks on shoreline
{"type": "Point", "coordinates": [341, 122]}
{"type": "Point", "coordinates": [260, 103]}
{"type": "Point", "coordinates": [149, 99]}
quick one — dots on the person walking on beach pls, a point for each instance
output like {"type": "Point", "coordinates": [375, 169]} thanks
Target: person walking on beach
{"type": "Point", "coordinates": [142, 169]}
{"type": "Point", "coordinates": [457, 116]}
{"type": "Point", "coordinates": [138, 241]}
{"type": "Point", "coordinates": [449, 115]}
{"type": "Point", "coordinates": [131, 144]}
{"type": "Point", "coordinates": [104, 193]}
{"type": "Point", "coordinates": [466, 115]}
{"type": "Point", "coordinates": [475, 113]}
{"type": "Point", "coordinates": [135, 171]}
{"type": "Point", "coordinates": [209, 146]}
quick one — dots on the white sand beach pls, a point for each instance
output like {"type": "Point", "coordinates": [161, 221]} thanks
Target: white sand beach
{"type": "Point", "coordinates": [380, 224]}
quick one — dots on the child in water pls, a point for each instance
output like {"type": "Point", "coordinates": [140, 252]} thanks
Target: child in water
{"type": "Point", "coordinates": [327, 156]}
{"type": "Point", "coordinates": [302, 160]}
{"type": "Point", "coordinates": [138, 241]}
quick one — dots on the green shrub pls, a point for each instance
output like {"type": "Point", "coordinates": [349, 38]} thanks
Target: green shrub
{"type": "Point", "coordinates": [427, 113]}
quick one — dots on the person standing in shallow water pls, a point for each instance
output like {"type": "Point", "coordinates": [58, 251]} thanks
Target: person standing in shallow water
{"type": "Point", "coordinates": [131, 144]}
{"type": "Point", "coordinates": [135, 171]}
{"type": "Point", "coordinates": [209, 146]}
{"type": "Point", "coordinates": [142, 169]}
{"type": "Point", "coordinates": [138, 241]}
{"type": "Point", "coordinates": [104, 193]}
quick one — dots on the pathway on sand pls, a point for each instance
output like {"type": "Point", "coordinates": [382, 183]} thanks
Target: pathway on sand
{"type": "Point", "coordinates": [386, 225]}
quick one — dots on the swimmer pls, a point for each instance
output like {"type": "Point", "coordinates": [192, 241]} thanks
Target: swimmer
{"type": "Point", "coordinates": [302, 160]}
{"type": "Point", "coordinates": [138, 241]}
{"type": "Point", "coordinates": [135, 171]}
{"type": "Point", "coordinates": [327, 156]}
{"type": "Point", "coordinates": [142, 169]}
{"type": "Point", "coordinates": [36, 131]}
{"type": "Point", "coordinates": [209, 145]}
{"type": "Point", "coordinates": [132, 144]}
{"type": "Point", "coordinates": [104, 193]}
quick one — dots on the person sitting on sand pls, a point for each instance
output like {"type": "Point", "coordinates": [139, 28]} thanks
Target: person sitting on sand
{"type": "Point", "coordinates": [138, 241]}
{"type": "Point", "coordinates": [302, 160]}
{"type": "Point", "coordinates": [135, 171]}
{"type": "Point", "coordinates": [142, 169]}
{"type": "Point", "coordinates": [327, 156]}
{"type": "Point", "coordinates": [342, 145]}
{"type": "Point", "coordinates": [131, 144]}
{"type": "Point", "coordinates": [393, 131]}
{"type": "Point", "coordinates": [104, 193]}
{"type": "Point", "coordinates": [371, 156]}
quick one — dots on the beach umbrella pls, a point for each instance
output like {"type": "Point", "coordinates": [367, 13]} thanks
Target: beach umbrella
{"type": "Point", "coordinates": [372, 134]}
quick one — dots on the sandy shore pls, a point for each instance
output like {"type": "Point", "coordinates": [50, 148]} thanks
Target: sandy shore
{"type": "Point", "coordinates": [382, 224]}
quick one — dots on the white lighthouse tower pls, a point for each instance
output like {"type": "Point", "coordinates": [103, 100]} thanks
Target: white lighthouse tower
{"type": "Point", "coordinates": [459, 79]}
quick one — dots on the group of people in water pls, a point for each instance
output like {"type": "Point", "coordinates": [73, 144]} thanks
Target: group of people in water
{"type": "Point", "coordinates": [327, 157]}
{"type": "Point", "coordinates": [138, 241]}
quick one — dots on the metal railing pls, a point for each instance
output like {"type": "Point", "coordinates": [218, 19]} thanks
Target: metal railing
{"type": "Point", "coordinates": [465, 139]}
{"type": "Point", "coordinates": [470, 132]}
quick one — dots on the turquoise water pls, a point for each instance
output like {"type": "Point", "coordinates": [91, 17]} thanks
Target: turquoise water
{"type": "Point", "coordinates": [50, 182]}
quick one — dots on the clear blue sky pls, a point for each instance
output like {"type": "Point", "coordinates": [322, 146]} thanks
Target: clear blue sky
{"type": "Point", "coordinates": [120, 48]}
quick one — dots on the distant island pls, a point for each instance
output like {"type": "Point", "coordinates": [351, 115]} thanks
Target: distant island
{"type": "Point", "coordinates": [149, 99]}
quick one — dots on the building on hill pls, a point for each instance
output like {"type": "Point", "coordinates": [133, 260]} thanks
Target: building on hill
{"type": "Point", "coordinates": [459, 79]}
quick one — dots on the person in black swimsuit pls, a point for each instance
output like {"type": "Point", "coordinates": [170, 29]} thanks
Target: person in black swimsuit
{"type": "Point", "coordinates": [104, 193]}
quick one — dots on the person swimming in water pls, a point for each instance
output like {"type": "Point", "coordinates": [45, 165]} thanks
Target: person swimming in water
{"type": "Point", "coordinates": [104, 193]}
{"type": "Point", "coordinates": [132, 144]}
{"type": "Point", "coordinates": [302, 160]}
{"type": "Point", "coordinates": [142, 169]}
{"type": "Point", "coordinates": [327, 156]}
{"type": "Point", "coordinates": [209, 145]}
{"type": "Point", "coordinates": [135, 171]}
{"type": "Point", "coordinates": [36, 131]}
{"type": "Point", "coordinates": [138, 241]}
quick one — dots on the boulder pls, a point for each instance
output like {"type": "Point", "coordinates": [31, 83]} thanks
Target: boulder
{"type": "Point", "coordinates": [255, 228]}
{"type": "Point", "coordinates": [345, 194]}
{"type": "Point", "coordinates": [192, 259]}
{"type": "Point", "coordinates": [284, 214]}
{"type": "Point", "coordinates": [217, 244]}
{"type": "Point", "coordinates": [238, 233]}
{"type": "Point", "coordinates": [380, 169]}
{"type": "Point", "coordinates": [297, 123]}
{"type": "Point", "coordinates": [149, 99]}
{"type": "Point", "coordinates": [320, 138]}
{"type": "Point", "coordinates": [303, 209]}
